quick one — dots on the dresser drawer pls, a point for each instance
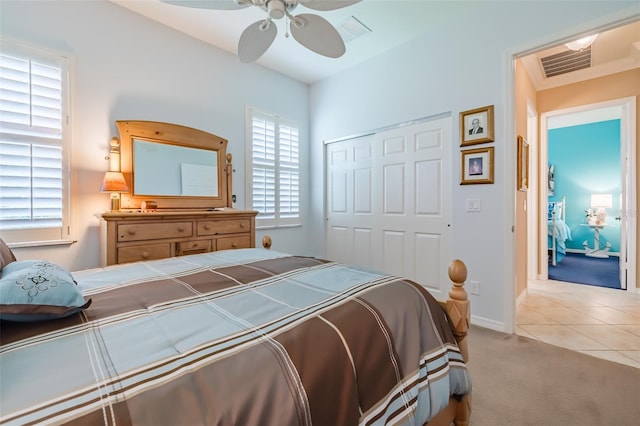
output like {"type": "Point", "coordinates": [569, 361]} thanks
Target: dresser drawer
{"type": "Point", "coordinates": [145, 252]}
{"type": "Point", "coordinates": [154, 231]}
{"type": "Point", "coordinates": [228, 243]}
{"type": "Point", "coordinates": [216, 227]}
{"type": "Point", "coordinates": [193, 247]}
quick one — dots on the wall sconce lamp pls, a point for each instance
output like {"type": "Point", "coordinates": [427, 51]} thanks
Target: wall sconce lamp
{"type": "Point", "coordinates": [599, 204]}
{"type": "Point", "coordinates": [582, 43]}
{"type": "Point", "coordinates": [114, 183]}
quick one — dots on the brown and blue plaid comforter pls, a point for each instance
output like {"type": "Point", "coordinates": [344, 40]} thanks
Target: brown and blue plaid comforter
{"type": "Point", "coordinates": [239, 337]}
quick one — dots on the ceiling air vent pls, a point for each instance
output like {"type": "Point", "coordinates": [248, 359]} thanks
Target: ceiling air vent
{"type": "Point", "coordinates": [564, 62]}
{"type": "Point", "coordinates": [352, 28]}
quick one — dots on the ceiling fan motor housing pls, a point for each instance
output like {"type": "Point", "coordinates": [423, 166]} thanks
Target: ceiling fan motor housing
{"type": "Point", "coordinates": [277, 9]}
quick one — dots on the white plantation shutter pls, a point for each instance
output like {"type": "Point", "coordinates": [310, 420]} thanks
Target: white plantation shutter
{"type": "Point", "coordinates": [289, 186]}
{"type": "Point", "coordinates": [34, 197]}
{"type": "Point", "coordinates": [274, 170]}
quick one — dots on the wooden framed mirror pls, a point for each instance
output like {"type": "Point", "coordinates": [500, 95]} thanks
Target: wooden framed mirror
{"type": "Point", "coordinates": [176, 166]}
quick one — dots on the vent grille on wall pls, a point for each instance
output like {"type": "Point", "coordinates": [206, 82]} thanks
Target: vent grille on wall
{"type": "Point", "coordinates": [564, 62]}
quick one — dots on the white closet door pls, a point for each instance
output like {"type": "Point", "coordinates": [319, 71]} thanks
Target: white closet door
{"type": "Point", "coordinates": [389, 202]}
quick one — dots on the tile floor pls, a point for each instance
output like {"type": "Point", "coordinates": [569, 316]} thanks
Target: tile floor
{"type": "Point", "coordinates": [593, 320]}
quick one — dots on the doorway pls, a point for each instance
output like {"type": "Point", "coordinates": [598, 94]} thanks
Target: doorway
{"type": "Point", "coordinates": [624, 111]}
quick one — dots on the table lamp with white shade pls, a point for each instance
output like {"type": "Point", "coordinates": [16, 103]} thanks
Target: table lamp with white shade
{"type": "Point", "coordinates": [599, 204]}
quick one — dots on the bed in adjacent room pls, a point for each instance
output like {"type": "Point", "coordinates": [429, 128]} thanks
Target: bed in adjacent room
{"type": "Point", "coordinates": [188, 323]}
{"type": "Point", "coordinates": [558, 231]}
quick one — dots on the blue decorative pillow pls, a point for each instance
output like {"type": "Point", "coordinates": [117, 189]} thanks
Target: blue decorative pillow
{"type": "Point", "coordinates": [35, 290]}
{"type": "Point", "coordinates": [550, 207]}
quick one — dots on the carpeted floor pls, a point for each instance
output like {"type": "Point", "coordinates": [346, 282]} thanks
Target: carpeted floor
{"type": "Point", "coordinates": [578, 268]}
{"type": "Point", "coordinates": [522, 382]}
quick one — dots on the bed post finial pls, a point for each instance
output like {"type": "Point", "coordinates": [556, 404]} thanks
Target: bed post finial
{"type": "Point", "coordinates": [266, 242]}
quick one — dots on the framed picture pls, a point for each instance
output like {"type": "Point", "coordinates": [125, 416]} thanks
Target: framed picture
{"type": "Point", "coordinates": [476, 126]}
{"type": "Point", "coordinates": [477, 166]}
{"type": "Point", "coordinates": [523, 164]}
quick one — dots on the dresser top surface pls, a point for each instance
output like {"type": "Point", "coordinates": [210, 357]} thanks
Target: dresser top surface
{"type": "Point", "coordinates": [174, 214]}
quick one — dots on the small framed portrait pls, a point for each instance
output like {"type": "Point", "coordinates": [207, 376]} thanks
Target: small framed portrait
{"type": "Point", "coordinates": [523, 164]}
{"type": "Point", "coordinates": [477, 166]}
{"type": "Point", "coordinates": [476, 126]}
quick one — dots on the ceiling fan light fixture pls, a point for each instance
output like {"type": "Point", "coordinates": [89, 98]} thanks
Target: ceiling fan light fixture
{"type": "Point", "coordinates": [298, 22]}
{"type": "Point", "coordinates": [582, 43]}
{"type": "Point", "coordinates": [276, 9]}
{"type": "Point", "coordinates": [265, 25]}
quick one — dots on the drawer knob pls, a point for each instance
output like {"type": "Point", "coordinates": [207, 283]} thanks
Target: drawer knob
{"type": "Point", "coordinates": [131, 231]}
{"type": "Point", "coordinates": [241, 224]}
{"type": "Point", "coordinates": [180, 228]}
{"type": "Point", "coordinates": [145, 254]}
{"type": "Point", "coordinates": [207, 227]}
{"type": "Point", "coordinates": [234, 245]}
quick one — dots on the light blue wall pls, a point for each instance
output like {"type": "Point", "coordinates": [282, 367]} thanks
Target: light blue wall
{"type": "Point", "coordinates": [128, 67]}
{"type": "Point", "coordinates": [587, 161]}
{"type": "Point", "coordinates": [462, 63]}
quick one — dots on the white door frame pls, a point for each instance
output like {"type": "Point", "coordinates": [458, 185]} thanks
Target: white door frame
{"type": "Point", "coordinates": [626, 108]}
{"type": "Point", "coordinates": [532, 199]}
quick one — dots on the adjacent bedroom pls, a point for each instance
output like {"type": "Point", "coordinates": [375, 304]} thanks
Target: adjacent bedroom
{"type": "Point", "coordinates": [584, 202]}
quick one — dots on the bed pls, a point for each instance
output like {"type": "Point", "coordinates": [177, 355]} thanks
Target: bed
{"type": "Point", "coordinates": [249, 336]}
{"type": "Point", "coordinates": [233, 337]}
{"type": "Point", "coordinates": [557, 229]}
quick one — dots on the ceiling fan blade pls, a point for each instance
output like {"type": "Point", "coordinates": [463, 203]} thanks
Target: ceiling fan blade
{"type": "Point", "coordinates": [255, 40]}
{"type": "Point", "coordinates": [317, 34]}
{"type": "Point", "coordinates": [327, 4]}
{"type": "Point", "coordinates": [208, 4]}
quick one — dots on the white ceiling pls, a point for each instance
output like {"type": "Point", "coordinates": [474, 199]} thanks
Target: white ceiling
{"type": "Point", "coordinates": [391, 26]}
{"type": "Point", "coordinates": [614, 51]}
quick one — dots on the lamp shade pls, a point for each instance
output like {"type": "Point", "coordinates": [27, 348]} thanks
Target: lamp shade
{"type": "Point", "coordinates": [604, 201]}
{"type": "Point", "coordinates": [114, 182]}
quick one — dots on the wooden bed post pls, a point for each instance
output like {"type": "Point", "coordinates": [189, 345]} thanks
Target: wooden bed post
{"type": "Point", "coordinates": [457, 308]}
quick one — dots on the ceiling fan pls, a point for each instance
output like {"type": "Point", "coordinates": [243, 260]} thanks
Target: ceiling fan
{"type": "Point", "coordinates": [310, 30]}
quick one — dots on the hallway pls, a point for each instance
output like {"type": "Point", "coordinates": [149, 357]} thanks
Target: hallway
{"type": "Point", "coordinates": [593, 320]}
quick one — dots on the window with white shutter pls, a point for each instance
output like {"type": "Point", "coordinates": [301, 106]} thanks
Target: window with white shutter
{"type": "Point", "coordinates": [34, 157]}
{"type": "Point", "coordinates": [273, 170]}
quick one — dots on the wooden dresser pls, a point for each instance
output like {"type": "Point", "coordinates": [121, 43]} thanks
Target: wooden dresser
{"type": "Point", "coordinates": [134, 236]}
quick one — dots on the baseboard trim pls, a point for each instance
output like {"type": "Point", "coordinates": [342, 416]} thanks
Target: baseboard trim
{"type": "Point", "coordinates": [488, 323]}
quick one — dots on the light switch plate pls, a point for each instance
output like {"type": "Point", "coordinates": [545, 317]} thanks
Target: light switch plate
{"type": "Point", "coordinates": [473, 205]}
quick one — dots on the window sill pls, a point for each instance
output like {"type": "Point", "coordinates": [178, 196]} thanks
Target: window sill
{"type": "Point", "coordinates": [263, 227]}
{"type": "Point", "coordinates": [26, 244]}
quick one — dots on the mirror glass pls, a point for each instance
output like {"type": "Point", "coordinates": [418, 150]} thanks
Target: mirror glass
{"type": "Point", "coordinates": [162, 169]}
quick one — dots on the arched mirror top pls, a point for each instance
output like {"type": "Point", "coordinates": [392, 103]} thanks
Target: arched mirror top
{"type": "Point", "coordinates": [176, 166]}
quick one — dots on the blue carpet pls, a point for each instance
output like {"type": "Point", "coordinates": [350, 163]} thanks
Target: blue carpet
{"type": "Point", "coordinates": [581, 269]}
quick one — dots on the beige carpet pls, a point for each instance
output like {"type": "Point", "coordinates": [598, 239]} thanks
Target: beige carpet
{"type": "Point", "coordinates": [519, 381]}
